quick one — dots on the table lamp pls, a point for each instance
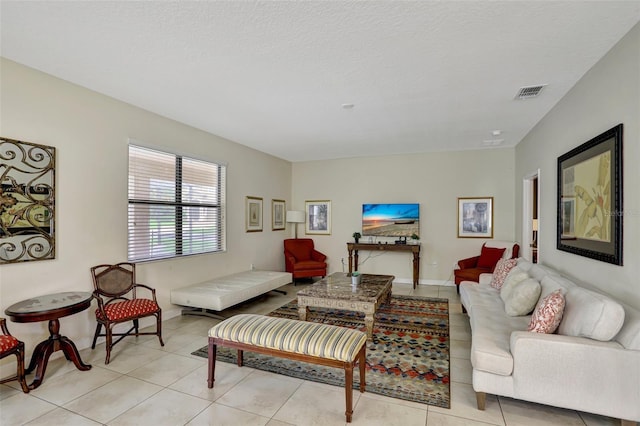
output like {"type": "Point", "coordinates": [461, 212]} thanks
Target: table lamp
{"type": "Point", "coordinates": [295, 217]}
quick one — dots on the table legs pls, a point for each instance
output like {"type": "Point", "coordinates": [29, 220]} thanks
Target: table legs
{"type": "Point", "coordinates": [368, 322]}
{"type": "Point", "coordinates": [44, 349]}
{"type": "Point", "coordinates": [303, 311]}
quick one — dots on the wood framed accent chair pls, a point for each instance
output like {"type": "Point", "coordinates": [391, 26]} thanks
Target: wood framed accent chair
{"type": "Point", "coordinates": [485, 262]}
{"type": "Point", "coordinates": [115, 289]}
{"type": "Point", "coordinates": [9, 345]}
{"type": "Point", "coordinates": [302, 260]}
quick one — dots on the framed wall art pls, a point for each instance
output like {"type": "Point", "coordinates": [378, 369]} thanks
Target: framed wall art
{"type": "Point", "coordinates": [27, 182]}
{"type": "Point", "coordinates": [318, 217]}
{"type": "Point", "coordinates": [590, 198]}
{"type": "Point", "coordinates": [475, 217]}
{"type": "Point", "coordinates": [253, 211]}
{"type": "Point", "coordinates": [278, 215]}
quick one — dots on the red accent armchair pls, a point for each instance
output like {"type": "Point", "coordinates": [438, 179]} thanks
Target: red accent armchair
{"type": "Point", "coordinates": [302, 259]}
{"type": "Point", "coordinates": [491, 252]}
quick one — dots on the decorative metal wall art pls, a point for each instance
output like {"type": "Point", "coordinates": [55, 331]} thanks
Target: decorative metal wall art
{"type": "Point", "coordinates": [27, 180]}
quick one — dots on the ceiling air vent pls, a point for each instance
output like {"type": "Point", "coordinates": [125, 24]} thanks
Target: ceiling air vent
{"type": "Point", "coordinates": [529, 91]}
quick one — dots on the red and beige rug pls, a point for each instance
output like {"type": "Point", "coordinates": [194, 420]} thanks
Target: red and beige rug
{"type": "Point", "coordinates": [407, 359]}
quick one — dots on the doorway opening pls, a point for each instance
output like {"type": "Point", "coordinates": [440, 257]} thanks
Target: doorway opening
{"type": "Point", "coordinates": [531, 217]}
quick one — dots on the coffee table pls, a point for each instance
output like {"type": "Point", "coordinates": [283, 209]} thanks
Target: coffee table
{"type": "Point", "coordinates": [336, 292]}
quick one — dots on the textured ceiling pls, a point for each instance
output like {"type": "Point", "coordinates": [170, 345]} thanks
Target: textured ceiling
{"type": "Point", "coordinates": [423, 76]}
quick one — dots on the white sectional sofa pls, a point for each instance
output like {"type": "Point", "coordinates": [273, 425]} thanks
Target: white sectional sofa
{"type": "Point", "coordinates": [591, 363]}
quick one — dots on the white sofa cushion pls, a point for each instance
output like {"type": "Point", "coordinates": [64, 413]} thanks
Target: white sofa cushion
{"type": "Point", "coordinates": [551, 283]}
{"type": "Point", "coordinates": [522, 298]}
{"type": "Point", "coordinates": [590, 314]}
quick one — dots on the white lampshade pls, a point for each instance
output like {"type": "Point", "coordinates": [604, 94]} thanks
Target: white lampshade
{"type": "Point", "coordinates": [295, 216]}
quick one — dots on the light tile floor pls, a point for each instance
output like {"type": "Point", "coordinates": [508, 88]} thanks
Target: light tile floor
{"type": "Point", "coordinates": [146, 384]}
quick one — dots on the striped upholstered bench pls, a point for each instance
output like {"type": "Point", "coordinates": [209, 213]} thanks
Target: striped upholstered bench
{"type": "Point", "coordinates": [321, 344]}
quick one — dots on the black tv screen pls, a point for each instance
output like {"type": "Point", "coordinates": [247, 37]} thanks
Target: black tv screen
{"type": "Point", "coordinates": [390, 220]}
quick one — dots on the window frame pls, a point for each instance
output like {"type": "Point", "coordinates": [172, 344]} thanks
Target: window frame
{"type": "Point", "coordinates": [139, 244]}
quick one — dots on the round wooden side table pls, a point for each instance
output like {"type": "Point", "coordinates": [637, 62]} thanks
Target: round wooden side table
{"type": "Point", "coordinates": [51, 307]}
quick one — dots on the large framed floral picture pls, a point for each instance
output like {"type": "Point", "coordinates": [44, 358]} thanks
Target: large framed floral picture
{"type": "Point", "coordinates": [590, 210]}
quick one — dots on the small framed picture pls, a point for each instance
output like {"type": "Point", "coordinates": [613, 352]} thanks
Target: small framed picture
{"type": "Point", "coordinates": [475, 217]}
{"type": "Point", "coordinates": [253, 208]}
{"type": "Point", "coordinates": [318, 217]}
{"type": "Point", "coordinates": [277, 215]}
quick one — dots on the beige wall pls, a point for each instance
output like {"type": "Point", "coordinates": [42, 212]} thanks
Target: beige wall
{"type": "Point", "coordinates": [607, 95]}
{"type": "Point", "coordinates": [90, 132]}
{"type": "Point", "coordinates": [434, 180]}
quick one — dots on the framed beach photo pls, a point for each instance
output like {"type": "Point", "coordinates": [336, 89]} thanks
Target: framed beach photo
{"type": "Point", "coordinates": [253, 211]}
{"type": "Point", "coordinates": [475, 217]}
{"type": "Point", "coordinates": [318, 217]}
{"type": "Point", "coordinates": [590, 198]}
{"type": "Point", "coordinates": [278, 215]}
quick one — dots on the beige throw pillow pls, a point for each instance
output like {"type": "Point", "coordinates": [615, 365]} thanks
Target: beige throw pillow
{"type": "Point", "coordinates": [515, 276]}
{"type": "Point", "coordinates": [522, 298]}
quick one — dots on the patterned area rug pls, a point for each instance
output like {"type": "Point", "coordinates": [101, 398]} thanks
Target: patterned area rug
{"type": "Point", "coordinates": [408, 358]}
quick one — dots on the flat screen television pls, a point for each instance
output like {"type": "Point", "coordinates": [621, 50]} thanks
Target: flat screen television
{"type": "Point", "coordinates": [390, 220]}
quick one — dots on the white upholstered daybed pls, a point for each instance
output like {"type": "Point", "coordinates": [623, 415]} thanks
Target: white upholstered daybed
{"type": "Point", "coordinates": [221, 293]}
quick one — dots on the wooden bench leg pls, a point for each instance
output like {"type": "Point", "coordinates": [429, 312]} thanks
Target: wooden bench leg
{"type": "Point", "coordinates": [362, 360]}
{"type": "Point", "coordinates": [348, 388]}
{"type": "Point", "coordinates": [240, 358]}
{"type": "Point", "coordinates": [212, 364]}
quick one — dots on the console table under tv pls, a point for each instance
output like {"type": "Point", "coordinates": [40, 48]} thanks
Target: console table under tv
{"type": "Point", "coordinates": [411, 248]}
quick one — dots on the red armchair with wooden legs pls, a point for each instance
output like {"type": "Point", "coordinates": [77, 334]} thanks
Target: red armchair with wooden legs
{"type": "Point", "coordinates": [490, 253]}
{"type": "Point", "coordinates": [9, 345]}
{"type": "Point", "coordinates": [302, 260]}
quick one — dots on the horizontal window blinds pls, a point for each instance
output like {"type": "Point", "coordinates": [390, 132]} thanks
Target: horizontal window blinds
{"type": "Point", "coordinates": [176, 205]}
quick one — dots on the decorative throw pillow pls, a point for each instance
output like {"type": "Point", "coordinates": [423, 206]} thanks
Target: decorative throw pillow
{"type": "Point", "coordinates": [489, 256]}
{"type": "Point", "coordinates": [548, 314]}
{"type": "Point", "coordinates": [514, 277]}
{"type": "Point", "coordinates": [500, 273]}
{"type": "Point", "coordinates": [522, 298]}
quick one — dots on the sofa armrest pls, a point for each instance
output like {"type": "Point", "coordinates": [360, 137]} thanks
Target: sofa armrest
{"type": "Point", "coordinates": [317, 256]}
{"type": "Point", "coordinates": [470, 262]}
{"type": "Point", "coordinates": [485, 279]}
{"type": "Point", "coordinates": [576, 372]}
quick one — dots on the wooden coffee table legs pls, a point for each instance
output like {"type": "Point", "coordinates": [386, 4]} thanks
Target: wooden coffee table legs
{"type": "Point", "coordinates": [43, 351]}
{"type": "Point", "coordinates": [368, 322]}
{"type": "Point", "coordinates": [303, 313]}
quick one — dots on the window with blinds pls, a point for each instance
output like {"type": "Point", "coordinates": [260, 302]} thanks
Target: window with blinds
{"type": "Point", "coordinates": [176, 205]}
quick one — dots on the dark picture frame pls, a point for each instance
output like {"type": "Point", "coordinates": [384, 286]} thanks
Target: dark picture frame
{"type": "Point", "coordinates": [589, 200]}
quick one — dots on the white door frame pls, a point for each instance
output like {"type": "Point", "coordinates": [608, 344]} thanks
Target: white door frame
{"type": "Point", "coordinates": [527, 215]}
